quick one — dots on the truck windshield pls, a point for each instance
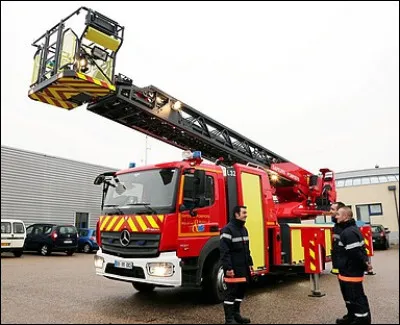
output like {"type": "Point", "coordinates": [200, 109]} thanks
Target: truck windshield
{"type": "Point", "coordinates": [153, 188]}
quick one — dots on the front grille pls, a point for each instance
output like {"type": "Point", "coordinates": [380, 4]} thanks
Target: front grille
{"type": "Point", "coordinates": [140, 244]}
{"type": "Point", "coordinates": [136, 272]}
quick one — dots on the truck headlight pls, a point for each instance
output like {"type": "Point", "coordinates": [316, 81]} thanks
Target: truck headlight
{"type": "Point", "coordinates": [160, 269]}
{"type": "Point", "coordinates": [98, 262]}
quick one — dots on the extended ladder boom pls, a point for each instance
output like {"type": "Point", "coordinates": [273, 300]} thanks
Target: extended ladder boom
{"type": "Point", "coordinates": [154, 112]}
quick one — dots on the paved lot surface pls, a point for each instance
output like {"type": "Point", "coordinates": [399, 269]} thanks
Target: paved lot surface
{"type": "Point", "coordinates": [62, 289]}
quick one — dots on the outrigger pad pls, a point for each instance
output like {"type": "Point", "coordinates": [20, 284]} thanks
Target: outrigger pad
{"type": "Point", "coordinates": [70, 89]}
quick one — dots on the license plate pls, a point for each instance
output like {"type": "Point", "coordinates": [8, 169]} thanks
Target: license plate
{"type": "Point", "coordinates": [123, 264]}
{"type": "Point", "coordinates": [5, 244]}
{"type": "Point", "coordinates": [67, 241]}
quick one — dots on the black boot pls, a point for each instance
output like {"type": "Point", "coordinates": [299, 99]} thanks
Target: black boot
{"type": "Point", "coordinates": [346, 319]}
{"type": "Point", "coordinates": [229, 314]}
{"type": "Point", "coordinates": [239, 318]}
{"type": "Point", "coordinates": [362, 320]}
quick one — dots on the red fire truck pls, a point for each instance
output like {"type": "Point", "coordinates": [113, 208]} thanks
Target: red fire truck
{"type": "Point", "coordinates": [160, 224]}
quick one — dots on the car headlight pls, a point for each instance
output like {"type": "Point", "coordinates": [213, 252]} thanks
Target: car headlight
{"type": "Point", "coordinates": [98, 262]}
{"type": "Point", "coordinates": [160, 269]}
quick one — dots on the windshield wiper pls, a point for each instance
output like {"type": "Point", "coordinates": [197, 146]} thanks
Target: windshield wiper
{"type": "Point", "coordinates": [114, 206]}
{"type": "Point", "coordinates": [147, 205]}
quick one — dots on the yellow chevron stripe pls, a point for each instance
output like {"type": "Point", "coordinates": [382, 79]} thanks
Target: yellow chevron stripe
{"type": "Point", "coordinates": [141, 223]}
{"type": "Point", "coordinates": [111, 224]}
{"type": "Point", "coordinates": [132, 225]}
{"type": "Point", "coordinates": [152, 222]}
{"type": "Point", "coordinates": [119, 224]}
{"type": "Point", "coordinates": [368, 252]}
{"type": "Point", "coordinates": [312, 253]}
{"type": "Point", "coordinates": [312, 242]}
{"type": "Point", "coordinates": [312, 266]}
{"type": "Point", "coordinates": [161, 217]}
{"type": "Point", "coordinates": [104, 222]}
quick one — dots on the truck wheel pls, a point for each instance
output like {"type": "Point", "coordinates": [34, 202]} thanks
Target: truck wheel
{"type": "Point", "coordinates": [213, 283]}
{"type": "Point", "coordinates": [17, 253]}
{"type": "Point", "coordinates": [143, 287]}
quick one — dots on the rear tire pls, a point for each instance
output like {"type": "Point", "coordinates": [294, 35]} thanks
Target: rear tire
{"type": "Point", "coordinates": [87, 249]}
{"type": "Point", "coordinates": [386, 246]}
{"type": "Point", "coordinates": [17, 253]}
{"type": "Point", "coordinates": [143, 287]}
{"type": "Point", "coordinates": [45, 250]}
{"type": "Point", "coordinates": [213, 284]}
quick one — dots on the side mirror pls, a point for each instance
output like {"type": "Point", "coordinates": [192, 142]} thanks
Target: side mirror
{"type": "Point", "coordinates": [199, 184]}
{"type": "Point", "coordinates": [99, 179]}
{"type": "Point", "coordinates": [387, 230]}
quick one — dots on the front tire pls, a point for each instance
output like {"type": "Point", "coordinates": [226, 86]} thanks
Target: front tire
{"type": "Point", "coordinates": [17, 253]}
{"type": "Point", "coordinates": [143, 287]}
{"type": "Point", "coordinates": [213, 284]}
{"type": "Point", "coordinates": [87, 249]}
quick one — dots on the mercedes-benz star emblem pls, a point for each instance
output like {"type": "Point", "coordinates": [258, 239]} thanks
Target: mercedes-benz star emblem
{"type": "Point", "coordinates": [125, 238]}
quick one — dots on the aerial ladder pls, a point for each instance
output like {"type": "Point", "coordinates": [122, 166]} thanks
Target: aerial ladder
{"type": "Point", "coordinates": [73, 68]}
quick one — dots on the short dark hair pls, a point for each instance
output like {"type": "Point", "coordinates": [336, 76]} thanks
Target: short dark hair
{"type": "Point", "coordinates": [348, 211]}
{"type": "Point", "coordinates": [339, 204]}
{"type": "Point", "coordinates": [237, 209]}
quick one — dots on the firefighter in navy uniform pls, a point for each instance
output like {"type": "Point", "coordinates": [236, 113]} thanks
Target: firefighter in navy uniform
{"type": "Point", "coordinates": [237, 264]}
{"type": "Point", "coordinates": [337, 229]}
{"type": "Point", "coordinates": [352, 262]}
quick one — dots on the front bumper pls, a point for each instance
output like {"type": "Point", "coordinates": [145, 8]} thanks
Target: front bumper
{"type": "Point", "coordinates": [104, 265]}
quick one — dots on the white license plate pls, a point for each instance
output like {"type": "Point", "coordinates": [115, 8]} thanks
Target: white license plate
{"type": "Point", "coordinates": [67, 241]}
{"type": "Point", "coordinates": [123, 265]}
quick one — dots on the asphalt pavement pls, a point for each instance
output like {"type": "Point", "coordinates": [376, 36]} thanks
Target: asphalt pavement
{"type": "Point", "coordinates": [65, 289]}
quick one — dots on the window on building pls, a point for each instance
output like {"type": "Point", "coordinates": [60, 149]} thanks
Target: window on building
{"type": "Point", "coordinates": [81, 220]}
{"type": "Point", "coordinates": [356, 181]}
{"type": "Point", "coordinates": [348, 182]}
{"type": "Point", "coordinates": [397, 177]}
{"type": "Point", "coordinates": [340, 183]}
{"type": "Point", "coordinates": [382, 179]}
{"type": "Point", "coordinates": [392, 178]}
{"type": "Point", "coordinates": [365, 211]}
{"type": "Point", "coordinates": [365, 181]}
{"type": "Point", "coordinates": [374, 179]}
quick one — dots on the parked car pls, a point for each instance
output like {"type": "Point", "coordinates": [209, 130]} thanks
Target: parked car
{"type": "Point", "coordinates": [48, 238]}
{"type": "Point", "coordinates": [13, 233]}
{"type": "Point", "coordinates": [380, 236]}
{"type": "Point", "coordinates": [87, 240]}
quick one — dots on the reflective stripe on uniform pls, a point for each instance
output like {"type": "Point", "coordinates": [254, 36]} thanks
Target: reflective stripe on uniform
{"type": "Point", "coordinates": [239, 239]}
{"type": "Point", "coordinates": [336, 236]}
{"type": "Point", "coordinates": [239, 300]}
{"type": "Point", "coordinates": [354, 245]}
{"type": "Point", "coordinates": [227, 236]}
{"type": "Point", "coordinates": [350, 278]}
{"type": "Point", "coordinates": [228, 302]}
{"type": "Point", "coordinates": [340, 243]}
{"type": "Point", "coordinates": [361, 315]}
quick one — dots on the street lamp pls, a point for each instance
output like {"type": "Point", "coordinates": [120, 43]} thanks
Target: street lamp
{"type": "Point", "coordinates": [392, 188]}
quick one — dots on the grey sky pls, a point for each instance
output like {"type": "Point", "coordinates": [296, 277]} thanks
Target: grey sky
{"type": "Point", "coordinates": [282, 74]}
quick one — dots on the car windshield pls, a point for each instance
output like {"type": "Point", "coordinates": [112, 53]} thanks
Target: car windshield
{"type": "Point", "coordinates": [376, 228]}
{"type": "Point", "coordinates": [149, 189]}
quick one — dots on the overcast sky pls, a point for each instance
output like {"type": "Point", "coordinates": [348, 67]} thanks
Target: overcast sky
{"type": "Point", "coordinates": [317, 83]}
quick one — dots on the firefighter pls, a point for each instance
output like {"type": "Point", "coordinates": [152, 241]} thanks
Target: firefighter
{"type": "Point", "coordinates": [352, 262]}
{"type": "Point", "coordinates": [337, 229]}
{"type": "Point", "coordinates": [237, 264]}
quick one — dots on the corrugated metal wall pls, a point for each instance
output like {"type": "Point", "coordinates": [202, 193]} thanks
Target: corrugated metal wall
{"type": "Point", "coordinates": [40, 188]}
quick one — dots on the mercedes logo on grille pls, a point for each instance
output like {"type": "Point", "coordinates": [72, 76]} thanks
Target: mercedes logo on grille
{"type": "Point", "coordinates": [125, 238]}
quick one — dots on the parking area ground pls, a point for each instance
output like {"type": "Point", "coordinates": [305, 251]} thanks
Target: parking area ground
{"type": "Point", "coordinates": [63, 289]}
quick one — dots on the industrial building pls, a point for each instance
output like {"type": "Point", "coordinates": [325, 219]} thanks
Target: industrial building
{"type": "Point", "coordinates": [373, 195]}
{"type": "Point", "coordinates": [40, 188]}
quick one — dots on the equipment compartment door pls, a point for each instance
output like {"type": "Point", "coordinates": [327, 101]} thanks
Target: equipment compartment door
{"type": "Point", "coordinates": [252, 198]}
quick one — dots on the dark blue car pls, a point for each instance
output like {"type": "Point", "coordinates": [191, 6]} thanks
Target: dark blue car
{"type": "Point", "coordinates": [87, 240]}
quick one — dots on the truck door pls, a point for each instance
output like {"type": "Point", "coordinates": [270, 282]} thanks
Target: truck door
{"type": "Point", "coordinates": [252, 192]}
{"type": "Point", "coordinates": [205, 221]}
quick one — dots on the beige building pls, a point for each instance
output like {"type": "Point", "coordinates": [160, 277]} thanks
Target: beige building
{"type": "Point", "coordinates": [373, 195]}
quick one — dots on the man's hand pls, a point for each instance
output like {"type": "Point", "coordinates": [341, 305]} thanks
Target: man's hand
{"type": "Point", "coordinates": [230, 273]}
